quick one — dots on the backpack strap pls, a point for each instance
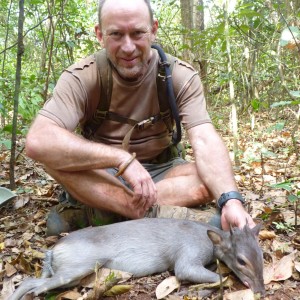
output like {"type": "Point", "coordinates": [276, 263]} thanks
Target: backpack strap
{"type": "Point", "coordinates": [102, 112]}
{"type": "Point", "coordinates": [165, 83]}
{"type": "Point", "coordinates": [105, 77]}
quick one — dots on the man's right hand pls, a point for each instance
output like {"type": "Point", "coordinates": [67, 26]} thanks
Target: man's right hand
{"type": "Point", "coordinates": [144, 189]}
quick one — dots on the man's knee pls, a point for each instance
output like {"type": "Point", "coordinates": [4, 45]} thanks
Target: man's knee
{"type": "Point", "coordinates": [201, 194]}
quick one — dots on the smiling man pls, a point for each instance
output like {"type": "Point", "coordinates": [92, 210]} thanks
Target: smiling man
{"type": "Point", "coordinates": [103, 180]}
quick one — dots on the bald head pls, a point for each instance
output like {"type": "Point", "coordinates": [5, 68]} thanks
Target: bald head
{"type": "Point", "coordinates": [119, 2]}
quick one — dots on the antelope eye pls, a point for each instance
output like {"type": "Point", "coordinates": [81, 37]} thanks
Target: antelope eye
{"type": "Point", "coordinates": [241, 261]}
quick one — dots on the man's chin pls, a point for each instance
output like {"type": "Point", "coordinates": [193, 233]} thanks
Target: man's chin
{"type": "Point", "coordinates": [130, 74]}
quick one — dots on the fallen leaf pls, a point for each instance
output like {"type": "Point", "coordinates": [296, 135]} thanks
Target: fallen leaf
{"type": "Point", "coordinates": [226, 282]}
{"type": "Point", "coordinates": [240, 295]}
{"type": "Point", "coordinates": [280, 270]}
{"type": "Point", "coordinates": [173, 297]}
{"type": "Point", "coordinates": [70, 295]}
{"type": "Point", "coordinates": [10, 269]}
{"type": "Point", "coordinates": [21, 201]}
{"type": "Point", "coordinates": [27, 236]}
{"type": "Point", "coordinates": [267, 235]}
{"type": "Point", "coordinates": [166, 287]}
{"type": "Point", "coordinates": [297, 266]}
{"type": "Point", "coordinates": [118, 290]}
{"type": "Point", "coordinates": [7, 288]}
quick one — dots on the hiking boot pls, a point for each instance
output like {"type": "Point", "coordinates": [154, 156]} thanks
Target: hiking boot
{"type": "Point", "coordinates": [206, 215]}
{"type": "Point", "coordinates": [70, 215]}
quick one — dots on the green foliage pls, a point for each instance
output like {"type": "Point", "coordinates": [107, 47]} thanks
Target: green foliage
{"type": "Point", "coordinates": [284, 227]}
{"type": "Point", "coordinates": [260, 35]}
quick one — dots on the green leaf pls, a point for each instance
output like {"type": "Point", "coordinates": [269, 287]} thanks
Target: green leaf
{"type": "Point", "coordinates": [255, 104]}
{"type": "Point", "coordinates": [248, 13]}
{"type": "Point", "coordinates": [278, 127]}
{"type": "Point", "coordinates": [292, 198]}
{"type": "Point", "coordinates": [295, 94]}
{"type": "Point", "coordinates": [281, 103]}
{"type": "Point", "coordinates": [118, 290]}
{"type": "Point", "coordinates": [286, 185]}
{"type": "Point", "coordinates": [6, 143]}
{"type": "Point", "coordinates": [8, 128]}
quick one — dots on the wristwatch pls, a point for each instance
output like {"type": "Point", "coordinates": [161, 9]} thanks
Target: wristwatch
{"type": "Point", "coordinates": [227, 196]}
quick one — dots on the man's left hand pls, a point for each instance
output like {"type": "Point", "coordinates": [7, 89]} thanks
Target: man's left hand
{"type": "Point", "coordinates": [235, 215]}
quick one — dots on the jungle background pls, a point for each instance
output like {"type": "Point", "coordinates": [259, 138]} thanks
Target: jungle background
{"type": "Point", "coordinates": [247, 53]}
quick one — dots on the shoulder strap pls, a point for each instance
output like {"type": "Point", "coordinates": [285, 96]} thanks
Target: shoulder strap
{"type": "Point", "coordinates": [105, 74]}
{"type": "Point", "coordinates": [165, 84]}
{"type": "Point", "coordinates": [105, 83]}
{"type": "Point", "coordinates": [164, 90]}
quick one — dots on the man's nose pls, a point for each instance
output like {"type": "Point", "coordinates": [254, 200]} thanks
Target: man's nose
{"type": "Point", "coordinates": [128, 45]}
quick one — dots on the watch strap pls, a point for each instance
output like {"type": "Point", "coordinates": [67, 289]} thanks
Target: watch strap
{"type": "Point", "coordinates": [227, 196]}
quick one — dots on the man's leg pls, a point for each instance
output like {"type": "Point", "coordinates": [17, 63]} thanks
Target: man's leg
{"type": "Point", "coordinates": [97, 189]}
{"type": "Point", "coordinates": [177, 186]}
{"type": "Point", "coordinates": [178, 183]}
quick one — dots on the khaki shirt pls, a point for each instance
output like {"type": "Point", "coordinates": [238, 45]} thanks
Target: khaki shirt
{"type": "Point", "coordinates": [77, 94]}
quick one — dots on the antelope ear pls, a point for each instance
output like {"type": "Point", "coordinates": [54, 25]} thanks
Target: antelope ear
{"type": "Point", "coordinates": [255, 230]}
{"type": "Point", "coordinates": [214, 237]}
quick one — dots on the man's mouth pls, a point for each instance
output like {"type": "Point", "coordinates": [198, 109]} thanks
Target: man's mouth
{"type": "Point", "coordinates": [129, 61]}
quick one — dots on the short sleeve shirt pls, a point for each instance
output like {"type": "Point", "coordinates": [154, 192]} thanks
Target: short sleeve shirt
{"type": "Point", "coordinates": [77, 95]}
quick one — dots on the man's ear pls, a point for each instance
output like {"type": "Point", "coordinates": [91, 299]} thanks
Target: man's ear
{"type": "Point", "coordinates": [99, 35]}
{"type": "Point", "coordinates": [154, 30]}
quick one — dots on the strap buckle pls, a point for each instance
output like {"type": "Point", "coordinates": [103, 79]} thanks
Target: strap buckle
{"type": "Point", "coordinates": [147, 123]}
{"type": "Point", "coordinates": [100, 114]}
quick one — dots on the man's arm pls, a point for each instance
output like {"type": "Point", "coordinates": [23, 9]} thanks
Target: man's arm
{"type": "Point", "coordinates": [61, 150]}
{"type": "Point", "coordinates": [215, 170]}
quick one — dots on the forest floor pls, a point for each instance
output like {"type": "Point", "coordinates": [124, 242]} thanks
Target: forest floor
{"type": "Point", "coordinates": [268, 176]}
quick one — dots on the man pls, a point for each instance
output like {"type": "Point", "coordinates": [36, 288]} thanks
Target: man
{"type": "Point", "coordinates": [86, 168]}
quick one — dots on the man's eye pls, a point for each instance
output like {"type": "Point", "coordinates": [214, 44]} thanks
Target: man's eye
{"type": "Point", "coordinates": [115, 34]}
{"type": "Point", "coordinates": [138, 34]}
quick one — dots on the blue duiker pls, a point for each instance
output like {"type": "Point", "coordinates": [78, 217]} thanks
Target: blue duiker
{"type": "Point", "coordinates": [147, 246]}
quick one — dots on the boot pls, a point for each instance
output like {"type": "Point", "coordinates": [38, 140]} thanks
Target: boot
{"type": "Point", "coordinates": [69, 215]}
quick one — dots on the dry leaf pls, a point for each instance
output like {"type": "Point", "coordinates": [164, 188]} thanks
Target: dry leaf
{"type": "Point", "coordinates": [27, 236]}
{"type": "Point", "coordinates": [267, 235]}
{"type": "Point", "coordinates": [21, 201]}
{"type": "Point", "coordinates": [173, 297]}
{"type": "Point", "coordinates": [166, 287]}
{"type": "Point", "coordinates": [70, 295]}
{"type": "Point", "coordinates": [240, 295]}
{"type": "Point", "coordinates": [297, 266]}
{"type": "Point", "coordinates": [280, 270]}
{"type": "Point", "coordinates": [226, 282]}
{"type": "Point", "coordinates": [7, 288]}
{"type": "Point", "coordinates": [10, 269]}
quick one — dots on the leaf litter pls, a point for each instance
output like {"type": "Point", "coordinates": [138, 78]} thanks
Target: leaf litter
{"type": "Point", "coordinates": [267, 176]}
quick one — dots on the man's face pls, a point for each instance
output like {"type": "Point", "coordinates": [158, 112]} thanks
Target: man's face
{"type": "Point", "coordinates": [127, 32]}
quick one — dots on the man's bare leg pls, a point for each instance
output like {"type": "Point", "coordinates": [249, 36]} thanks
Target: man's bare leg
{"type": "Point", "coordinates": [181, 187]}
{"type": "Point", "coordinates": [98, 189]}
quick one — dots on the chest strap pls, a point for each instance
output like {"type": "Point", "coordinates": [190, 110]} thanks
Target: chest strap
{"type": "Point", "coordinates": [165, 95]}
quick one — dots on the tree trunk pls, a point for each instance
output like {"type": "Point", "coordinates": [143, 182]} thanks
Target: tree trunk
{"type": "Point", "coordinates": [4, 54]}
{"type": "Point", "coordinates": [16, 94]}
{"type": "Point", "coordinates": [187, 22]}
{"type": "Point", "coordinates": [234, 117]}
